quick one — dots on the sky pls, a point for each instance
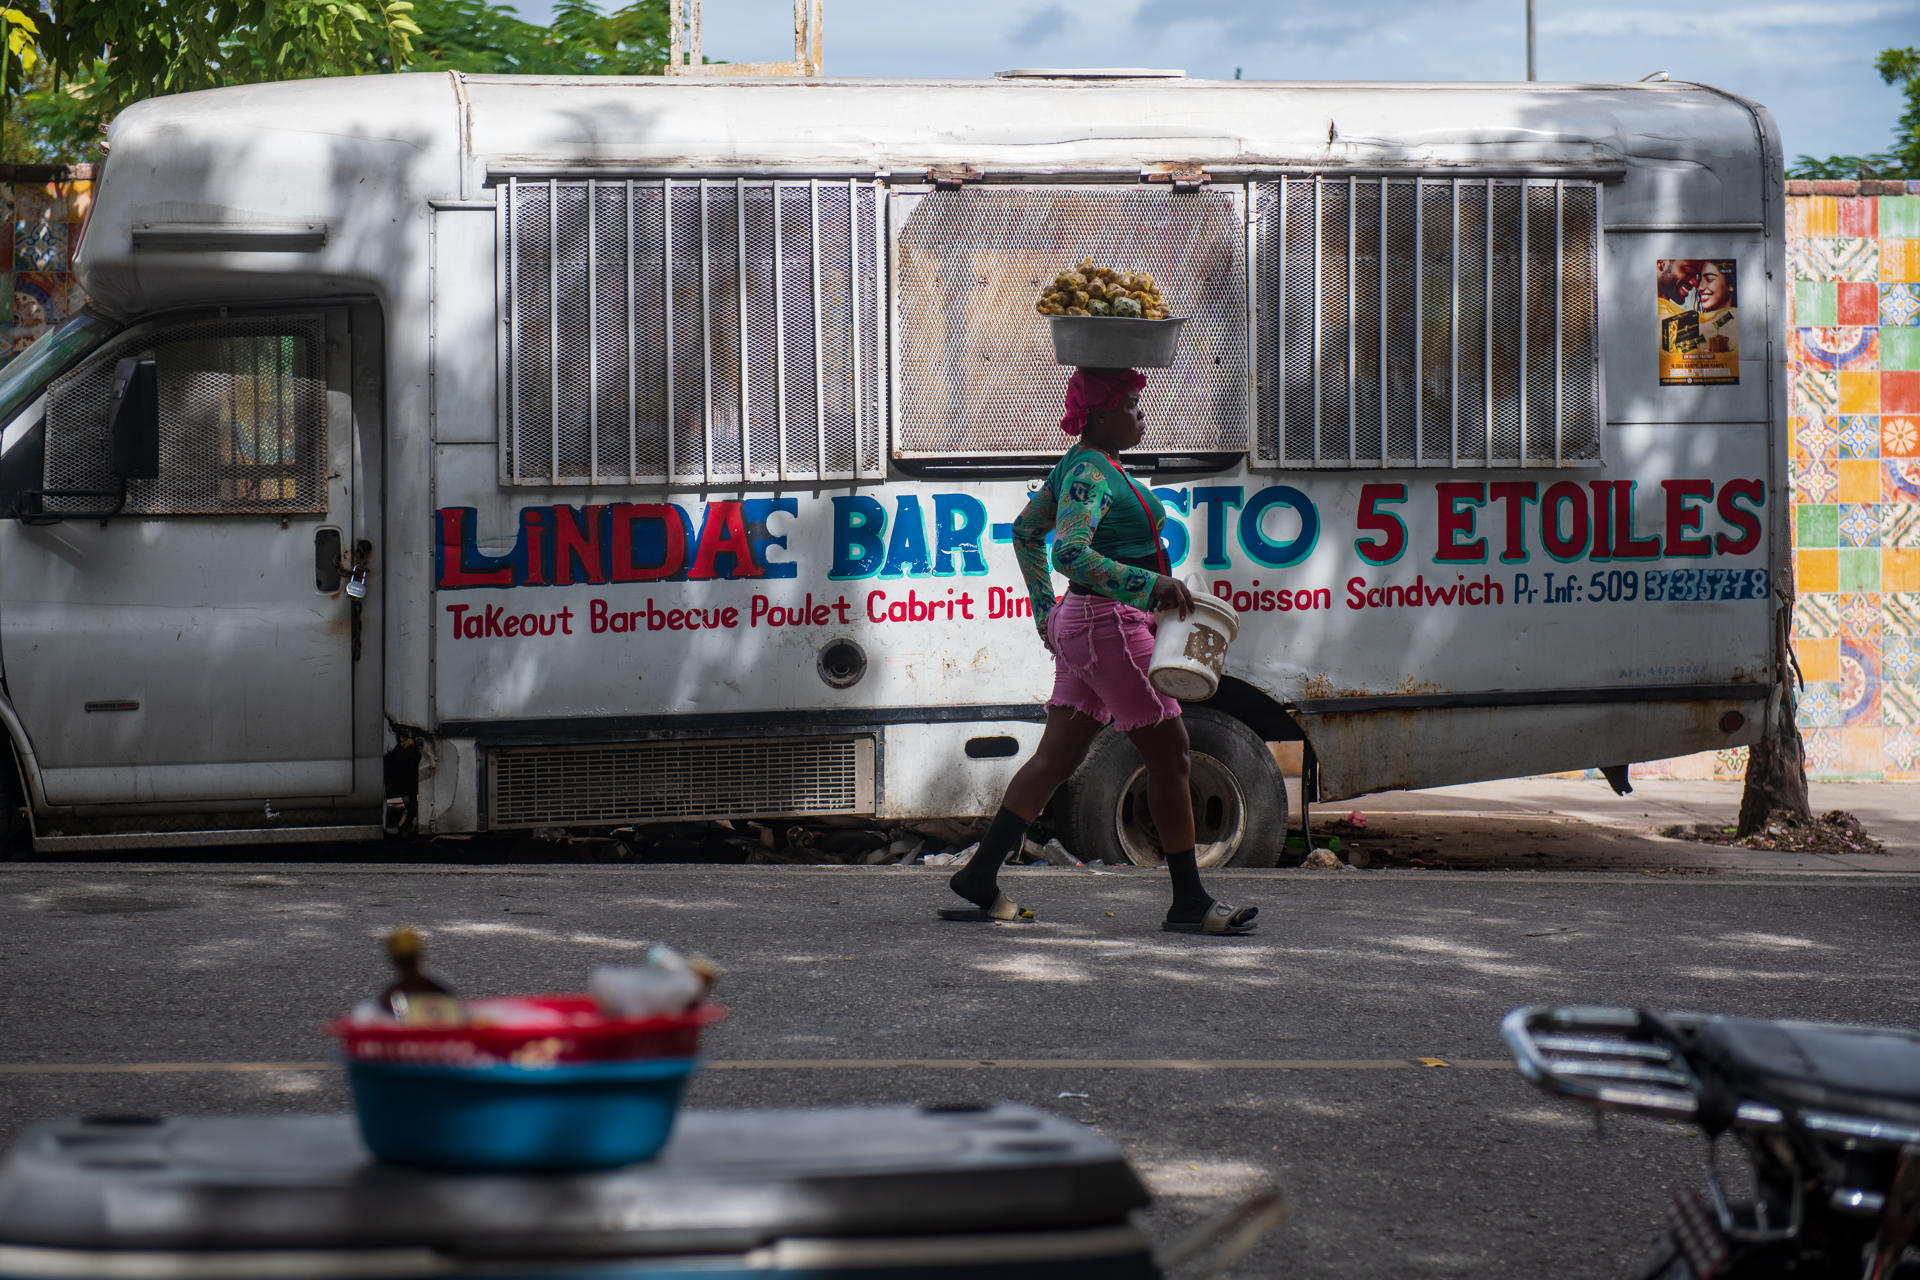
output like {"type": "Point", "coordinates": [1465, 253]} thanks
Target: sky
{"type": "Point", "coordinates": [1810, 63]}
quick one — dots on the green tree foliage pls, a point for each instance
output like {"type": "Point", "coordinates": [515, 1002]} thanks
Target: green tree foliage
{"type": "Point", "coordinates": [75, 63]}
{"type": "Point", "coordinates": [472, 35]}
{"type": "Point", "coordinates": [1899, 67]}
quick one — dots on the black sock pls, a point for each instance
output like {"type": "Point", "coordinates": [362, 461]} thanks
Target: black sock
{"type": "Point", "coordinates": [978, 881]}
{"type": "Point", "coordinates": [1190, 899]}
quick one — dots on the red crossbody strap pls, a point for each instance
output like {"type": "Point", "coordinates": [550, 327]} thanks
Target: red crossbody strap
{"type": "Point", "coordinates": [1139, 495]}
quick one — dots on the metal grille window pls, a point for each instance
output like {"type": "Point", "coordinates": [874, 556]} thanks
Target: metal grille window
{"type": "Point", "coordinates": [977, 374]}
{"type": "Point", "coordinates": [1428, 322]}
{"type": "Point", "coordinates": [691, 331]}
{"type": "Point", "coordinates": [243, 420]}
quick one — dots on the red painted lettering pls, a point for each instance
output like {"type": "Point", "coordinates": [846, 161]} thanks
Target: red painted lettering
{"type": "Point", "coordinates": [1683, 517]}
{"type": "Point", "coordinates": [1732, 493]}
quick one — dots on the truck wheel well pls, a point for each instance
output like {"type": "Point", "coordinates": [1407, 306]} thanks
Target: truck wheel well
{"type": "Point", "coordinates": [1256, 710]}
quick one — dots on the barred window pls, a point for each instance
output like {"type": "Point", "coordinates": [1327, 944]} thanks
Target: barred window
{"type": "Point", "coordinates": [691, 331]}
{"type": "Point", "coordinates": [243, 420]}
{"type": "Point", "coordinates": [977, 373]}
{"type": "Point", "coordinates": [1427, 322]}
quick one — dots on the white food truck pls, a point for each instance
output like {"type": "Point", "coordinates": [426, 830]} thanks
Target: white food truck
{"type": "Point", "coordinates": [589, 452]}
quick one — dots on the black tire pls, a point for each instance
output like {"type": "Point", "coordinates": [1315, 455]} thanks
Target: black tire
{"type": "Point", "coordinates": [1240, 799]}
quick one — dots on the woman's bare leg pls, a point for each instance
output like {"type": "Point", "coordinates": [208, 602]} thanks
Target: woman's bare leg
{"type": "Point", "coordinates": [1163, 747]}
{"type": "Point", "coordinates": [1063, 745]}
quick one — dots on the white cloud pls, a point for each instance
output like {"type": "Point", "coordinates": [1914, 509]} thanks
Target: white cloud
{"type": "Point", "coordinates": [1674, 22]}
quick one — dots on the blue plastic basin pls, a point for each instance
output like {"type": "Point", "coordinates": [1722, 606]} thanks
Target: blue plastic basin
{"type": "Point", "coordinates": [589, 1116]}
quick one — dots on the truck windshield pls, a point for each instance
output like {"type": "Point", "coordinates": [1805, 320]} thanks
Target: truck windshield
{"type": "Point", "coordinates": [27, 374]}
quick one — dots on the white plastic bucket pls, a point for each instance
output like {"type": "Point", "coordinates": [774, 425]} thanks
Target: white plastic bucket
{"type": "Point", "coordinates": [1188, 654]}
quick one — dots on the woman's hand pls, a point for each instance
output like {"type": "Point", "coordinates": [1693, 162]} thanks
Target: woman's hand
{"type": "Point", "coordinates": [1171, 593]}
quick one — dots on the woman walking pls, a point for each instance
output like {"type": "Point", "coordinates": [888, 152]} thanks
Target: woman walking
{"type": "Point", "coordinates": [1106, 541]}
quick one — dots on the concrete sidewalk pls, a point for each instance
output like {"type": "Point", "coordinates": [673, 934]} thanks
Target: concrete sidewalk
{"type": "Point", "coordinates": [1552, 824]}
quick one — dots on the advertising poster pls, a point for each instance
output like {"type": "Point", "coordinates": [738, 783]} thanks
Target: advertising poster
{"type": "Point", "coordinates": [1699, 322]}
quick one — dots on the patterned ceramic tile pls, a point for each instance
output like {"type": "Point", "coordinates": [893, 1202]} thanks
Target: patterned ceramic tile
{"type": "Point", "coordinates": [1819, 706]}
{"type": "Point", "coordinates": [1813, 481]}
{"type": "Point", "coordinates": [1899, 524]}
{"type": "Point", "coordinates": [42, 246]}
{"type": "Point", "coordinates": [1859, 525]}
{"type": "Point", "coordinates": [1816, 392]}
{"type": "Point", "coordinates": [1903, 479]}
{"type": "Point", "coordinates": [1902, 749]}
{"type": "Point", "coordinates": [1860, 612]}
{"type": "Point", "coordinates": [1823, 750]}
{"type": "Point", "coordinates": [1841, 348]}
{"type": "Point", "coordinates": [40, 296]}
{"type": "Point", "coordinates": [1844, 257]}
{"type": "Point", "coordinates": [1899, 436]}
{"type": "Point", "coordinates": [1730, 763]}
{"type": "Point", "coordinates": [1859, 435]}
{"type": "Point", "coordinates": [1900, 613]}
{"type": "Point", "coordinates": [1816, 437]}
{"type": "Point", "coordinates": [79, 200]}
{"type": "Point", "coordinates": [1899, 304]}
{"type": "Point", "coordinates": [1816, 615]}
{"type": "Point", "coordinates": [1899, 658]}
{"type": "Point", "coordinates": [1900, 704]}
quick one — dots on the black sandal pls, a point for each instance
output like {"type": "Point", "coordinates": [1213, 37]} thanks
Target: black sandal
{"type": "Point", "coordinates": [1221, 920]}
{"type": "Point", "coordinates": [1003, 911]}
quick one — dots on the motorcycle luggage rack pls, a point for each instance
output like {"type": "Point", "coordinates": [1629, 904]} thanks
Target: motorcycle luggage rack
{"type": "Point", "coordinates": [1605, 1057]}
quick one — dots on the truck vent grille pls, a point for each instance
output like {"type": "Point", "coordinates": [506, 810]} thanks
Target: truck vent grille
{"type": "Point", "coordinates": [1427, 322]}
{"type": "Point", "coordinates": [977, 374]}
{"type": "Point", "coordinates": [673, 781]}
{"type": "Point", "coordinates": [697, 331]}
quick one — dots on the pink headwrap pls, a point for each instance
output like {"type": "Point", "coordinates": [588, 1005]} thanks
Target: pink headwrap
{"type": "Point", "coordinates": [1089, 391]}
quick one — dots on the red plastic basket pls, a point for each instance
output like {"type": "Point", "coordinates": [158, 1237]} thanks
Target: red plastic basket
{"type": "Point", "coordinates": [583, 1034]}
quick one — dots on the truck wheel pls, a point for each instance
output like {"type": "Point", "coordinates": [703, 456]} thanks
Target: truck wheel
{"type": "Point", "coordinates": [1239, 799]}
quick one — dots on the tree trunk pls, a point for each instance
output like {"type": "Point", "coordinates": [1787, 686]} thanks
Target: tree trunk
{"type": "Point", "coordinates": [1777, 764]}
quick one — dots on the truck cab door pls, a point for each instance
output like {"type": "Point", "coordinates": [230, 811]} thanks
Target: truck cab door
{"type": "Point", "coordinates": [198, 647]}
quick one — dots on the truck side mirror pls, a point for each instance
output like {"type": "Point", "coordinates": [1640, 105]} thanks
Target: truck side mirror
{"type": "Point", "coordinates": [133, 420]}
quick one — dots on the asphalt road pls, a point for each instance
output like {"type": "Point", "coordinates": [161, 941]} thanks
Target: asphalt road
{"type": "Point", "coordinates": [1309, 1056]}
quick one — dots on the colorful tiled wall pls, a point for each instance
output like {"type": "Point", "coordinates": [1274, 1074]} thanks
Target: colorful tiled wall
{"type": "Point", "coordinates": [1853, 261]}
{"type": "Point", "coordinates": [41, 210]}
{"type": "Point", "coordinates": [1853, 350]}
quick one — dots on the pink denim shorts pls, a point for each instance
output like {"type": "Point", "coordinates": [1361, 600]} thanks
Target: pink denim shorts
{"type": "Point", "coordinates": [1101, 650]}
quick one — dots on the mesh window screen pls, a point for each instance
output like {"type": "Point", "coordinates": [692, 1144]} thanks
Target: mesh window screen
{"type": "Point", "coordinates": [977, 374]}
{"type": "Point", "coordinates": [243, 420]}
{"type": "Point", "coordinates": [1427, 322]}
{"type": "Point", "coordinates": [691, 331]}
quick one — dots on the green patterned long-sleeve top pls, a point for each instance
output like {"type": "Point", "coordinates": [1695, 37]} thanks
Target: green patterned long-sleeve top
{"type": "Point", "coordinates": [1106, 531]}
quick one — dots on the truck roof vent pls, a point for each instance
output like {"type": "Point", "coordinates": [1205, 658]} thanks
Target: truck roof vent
{"type": "Point", "coordinates": [1090, 73]}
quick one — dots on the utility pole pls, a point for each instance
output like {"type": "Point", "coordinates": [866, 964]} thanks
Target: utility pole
{"type": "Point", "coordinates": [1529, 39]}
